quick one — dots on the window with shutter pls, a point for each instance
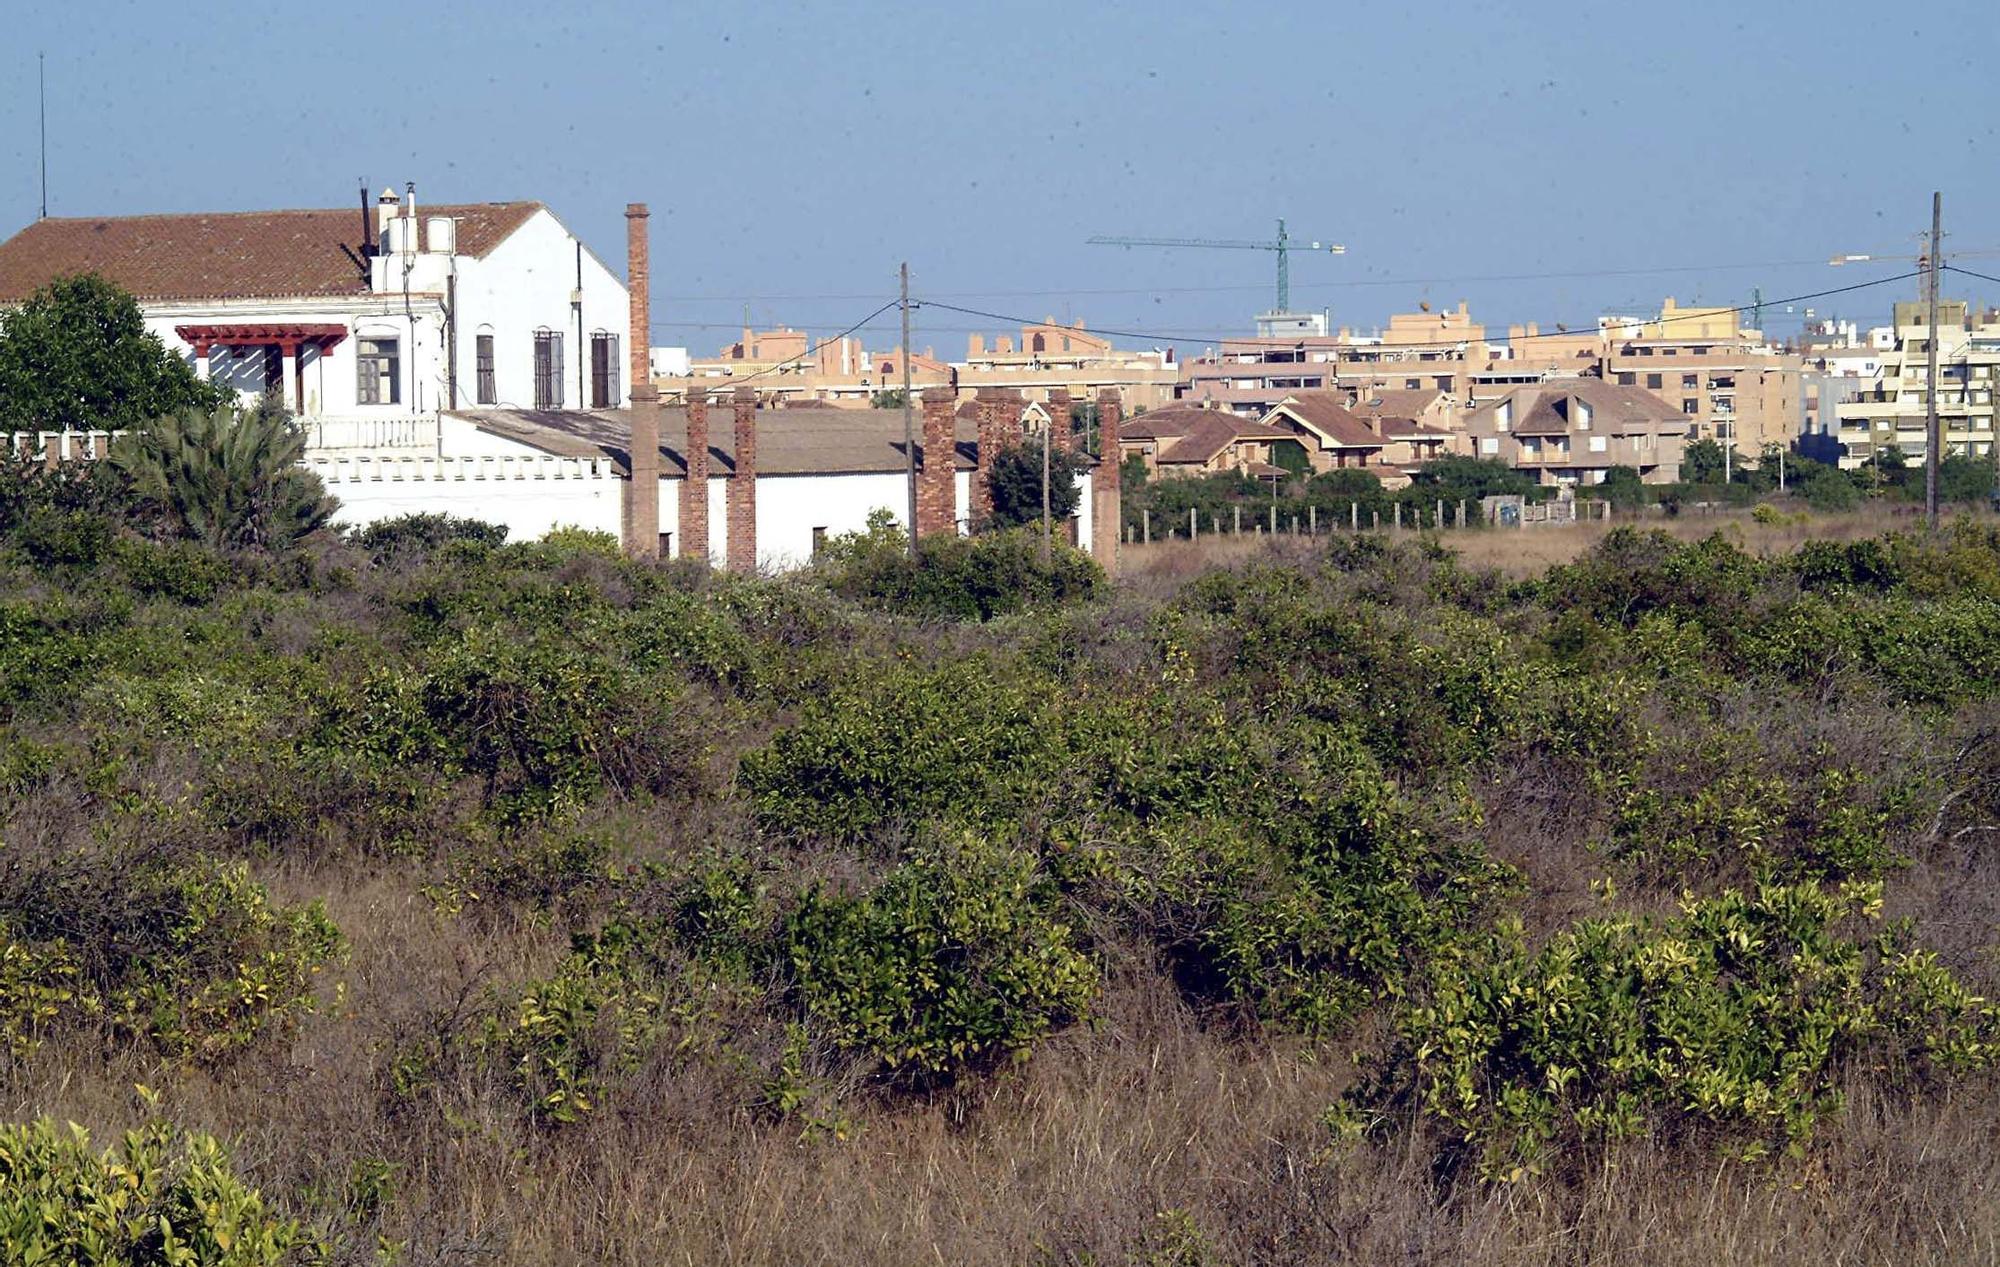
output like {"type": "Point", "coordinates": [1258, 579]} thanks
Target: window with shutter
{"type": "Point", "coordinates": [548, 370]}
{"type": "Point", "coordinates": [483, 353]}
{"type": "Point", "coordinates": [604, 384]}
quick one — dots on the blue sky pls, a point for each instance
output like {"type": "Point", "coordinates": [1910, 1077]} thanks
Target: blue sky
{"type": "Point", "coordinates": [794, 153]}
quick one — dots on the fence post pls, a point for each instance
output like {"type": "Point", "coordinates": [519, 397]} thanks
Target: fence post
{"type": "Point", "coordinates": [1145, 527]}
{"type": "Point", "coordinates": [1439, 521]}
{"type": "Point", "coordinates": [1375, 519]}
{"type": "Point", "coordinates": [1312, 517]}
{"type": "Point", "coordinates": [1237, 511]}
{"type": "Point", "coordinates": [1194, 523]}
{"type": "Point", "coordinates": [1354, 516]}
{"type": "Point", "coordinates": [1461, 512]}
{"type": "Point", "coordinates": [1274, 519]}
{"type": "Point", "coordinates": [1398, 512]}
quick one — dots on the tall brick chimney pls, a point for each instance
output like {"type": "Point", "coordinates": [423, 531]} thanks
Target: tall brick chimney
{"type": "Point", "coordinates": [1059, 431]}
{"type": "Point", "coordinates": [937, 483]}
{"type": "Point", "coordinates": [642, 491]}
{"type": "Point", "coordinates": [694, 492]}
{"type": "Point", "coordinates": [743, 488]}
{"type": "Point", "coordinates": [1106, 510]}
{"type": "Point", "coordinates": [986, 405]}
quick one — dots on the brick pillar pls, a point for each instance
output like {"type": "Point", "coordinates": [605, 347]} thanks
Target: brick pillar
{"type": "Point", "coordinates": [937, 483]}
{"type": "Point", "coordinates": [642, 491]}
{"type": "Point", "coordinates": [1059, 431]}
{"type": "Point", "coordinates": [743, 487]}
{"type": "Point", "coordinates": [987, 408]}
{"type": "Point", "coordinates": [694, 493]}
{"type": "Point", "coordinates": [1008, 416]}
{"type": "Point", "coordinates": [1105, 509]}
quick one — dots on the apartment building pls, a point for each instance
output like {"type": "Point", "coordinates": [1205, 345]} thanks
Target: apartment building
{"type": "Point", "coordinates": [1729, 384]}
{"type": "Point", "coordinates": [1056, 356]}
{"type": "Point", "coordinates": [1574, 430]}
{"type": "Point", "coordinates": [1892, 410]}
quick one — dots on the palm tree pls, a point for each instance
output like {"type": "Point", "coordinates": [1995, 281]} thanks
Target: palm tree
{"type": "Point", "coordinates": [228, 478]}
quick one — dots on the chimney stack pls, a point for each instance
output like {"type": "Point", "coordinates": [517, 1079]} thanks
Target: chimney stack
{"type": "Point", "coordinates": [986, 405]}
{"type": "Point", "coordinates": [642, 491]}
{"type": "Point", "coordinates": [1106, 511]}
{"type": "Point", "coordinates": [694, 492]}
{"type": "Point", "coordinates": [937, 483]}
{"type": "Point", "coordinates": [1059, 431]}
{"type": "Point", "coordinates": [743, 488]}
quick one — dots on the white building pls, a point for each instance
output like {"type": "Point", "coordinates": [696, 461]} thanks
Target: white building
{"type": "Point", "coordinates": [1894, 408]}
{"type": "Point", "coordinates": [367, 322]}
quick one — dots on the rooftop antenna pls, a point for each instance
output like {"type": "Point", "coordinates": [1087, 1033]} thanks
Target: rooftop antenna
{"type": "Point", "coordinates": [42, 92]}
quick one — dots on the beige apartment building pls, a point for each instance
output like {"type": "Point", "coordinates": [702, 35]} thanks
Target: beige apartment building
{"type": "Point", "coordinates": [787, 366]}
{"type": "Point", "coordinates": [1574, 430]}
{"type": "Point", "coordinates": [1730, 386]}
{"type": "Point", "coordinates": [1893, 410]}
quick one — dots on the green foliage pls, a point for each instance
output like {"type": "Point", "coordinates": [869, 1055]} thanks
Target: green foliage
{"type": "Point", "coordinates": [1963, 478]}
{"type": "Point", "coordinates": [225, 478]}
{"type": "Point", "coordinates": [160, 1198]}
{"type": "Point", "coordinates": [958, 957]}
{"type": "Point", "coordinates": [889, 398]}
{"type": "Point", "coordinates": [1458, 476]}
{"type": "Point", "coordinates": [76, 355]}
{"type": "Point", "coordinates": [1703, 462]}
{"type": "Point", "coordinates": [416, 535]}
{"type": "Point", "coordinates": [956, 578]}
{"type": "Point", "coordinates": [1732, 1020]}
{"type": "Point", "coordinates": [191, 956]}
{"type": "Point", "coordinates": [1016, 476]}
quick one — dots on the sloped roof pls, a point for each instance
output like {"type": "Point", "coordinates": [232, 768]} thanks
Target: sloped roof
{"type": "Point", "coordinates": [226, 255]}
{"type": "Point", "coordinates": [808, 440]}
{"type": "Point", "coordinates": [1165, 423]}
{"type": "Point", "coordinates": [1544, 409]}
{"type": "Point", "coordinates": [1323, 412]}
{"type": "Point", "coordinates": [1211, 435]}
{"type": "Point", "coordinates": [1398, 402]}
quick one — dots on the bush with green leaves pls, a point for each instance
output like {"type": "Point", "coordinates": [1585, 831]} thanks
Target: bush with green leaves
{"type": "Point", "coordinates": [1735, 1021]}
{"type": "Point", "coordinates": [416, 534]}
{"type": "Point", "coordinates": [191, 956]}
{"type": "Point", "coordinates": [224, 477]}
{"type": "Point", "coordinates": [76, 356]}
{"type": "Point", "coordinates": [957, 578]}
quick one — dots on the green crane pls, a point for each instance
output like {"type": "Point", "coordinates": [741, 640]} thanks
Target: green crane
{"type": "Point", "coordinates": [1284, 246]}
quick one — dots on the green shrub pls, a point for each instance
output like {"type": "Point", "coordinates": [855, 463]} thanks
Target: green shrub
{"type": "Point", "coordinates": [160, 1198]}
{"type": "Point", "coordinates": [1734, 1020]}
{"type": "Point", "coordinates": [957, 958]}
{"type": "Point", "coordinates": [416, 534]}
{"type": "Point", "coordinates": [192, 956]}
{"type": "Point", "coordinates": [958, 578]}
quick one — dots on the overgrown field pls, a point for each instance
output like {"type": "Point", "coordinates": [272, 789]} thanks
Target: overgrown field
{"type": "Point", "coordinates": [429, 899]}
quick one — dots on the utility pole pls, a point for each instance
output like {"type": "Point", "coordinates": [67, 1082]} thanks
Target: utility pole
{"type": "Point", "coordinates": [42, 91]}
{"type": "Point", "coordinates": [1048, 443]}
{"type": "Point", "coordinates": [1933, 433]}
{"type": "Point", "coordinates": [909, 427]}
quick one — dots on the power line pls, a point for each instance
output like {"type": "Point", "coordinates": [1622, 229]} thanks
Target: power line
{"type": "Point", "coordinates": [1953, 268]}
{"type": "Point", "coordinates": [814, 349]}
{"type": "Point", "coordinates": [1165, 337]}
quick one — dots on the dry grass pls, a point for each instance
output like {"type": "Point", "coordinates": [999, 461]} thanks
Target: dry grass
{"type": "Point", "coordinates": [1523, 552]}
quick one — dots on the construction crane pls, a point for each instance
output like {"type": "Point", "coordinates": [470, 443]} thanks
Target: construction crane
{"type": "Point", "coordinates": [1284, 246]}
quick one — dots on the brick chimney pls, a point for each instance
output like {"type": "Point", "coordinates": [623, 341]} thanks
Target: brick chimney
{"type": "Point", "coordinates": [694, 492]}
{"type": "Point", "coordinates": [743, 487]}
{"type": "Point", "coordinates": [1059, 431]}
{"type": "Point", "coordinates": [986, 406]}
{"type": "Point", "coordinates": [937, 483]}
{"type": "Point", "coordinates": [1106, 511]}
{"type": "Point", "coordinates": [642, 491]}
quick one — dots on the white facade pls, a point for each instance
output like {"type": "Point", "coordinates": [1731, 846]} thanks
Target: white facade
{"type": "Point", "coordinates": [428, 298]}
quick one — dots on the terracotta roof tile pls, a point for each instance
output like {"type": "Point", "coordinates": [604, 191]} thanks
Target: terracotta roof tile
{"type": "Point", "coordinates": [1323, 412]}
{"type": "Point", "coordinates": [226, 255]}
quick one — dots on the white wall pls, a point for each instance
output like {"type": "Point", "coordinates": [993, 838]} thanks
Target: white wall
{"type": "Point", "coordinates": [529, 495]}
{"type": "Point", "coordinates": [525, 285]}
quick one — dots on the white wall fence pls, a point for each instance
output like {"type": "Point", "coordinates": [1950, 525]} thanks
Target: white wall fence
{"type": "Point", "coordinates": [60, 446]}
{"type": "Point", "coordinates": [334, 471]}
{"type": "Point", "coordinates": [530, 495]}
{"type": "Point", "coordinates": [372, 434]}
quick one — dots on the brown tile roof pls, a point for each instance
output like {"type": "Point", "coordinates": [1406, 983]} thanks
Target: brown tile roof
{"type": "Point", "coordinates": [1543, 409]}
{"type": "Point", "coordinates": [1166, 423]}
{"type": "Point", "coordinates": [1398, 402]}
{"type": "Point", "coordinates": [814, 440]}
{"type": "Point", "coordinates": [1323, 412]}
{"type": "Point", "coordinates": [226, 255]}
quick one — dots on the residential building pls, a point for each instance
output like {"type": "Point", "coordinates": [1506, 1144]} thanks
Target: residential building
{"type": "Point", "coordinates": [1056, 356]}
{"type": "Point", "coordinates": [1893, 409]}
{"type": "Point", "coordinates": [1338, 438]}
{"type": "Point", "coordinates": [1730, 385]}
{"type": "Point", "coordinates": [1189, 440]}
{"type": "Point", "coordinates": [1574, 430]}
{"type": "Point", "coordinates": [367, 322]}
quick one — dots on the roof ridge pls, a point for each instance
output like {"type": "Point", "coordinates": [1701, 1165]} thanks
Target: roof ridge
{"type": "Point", "coordinates": [278, 211]}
